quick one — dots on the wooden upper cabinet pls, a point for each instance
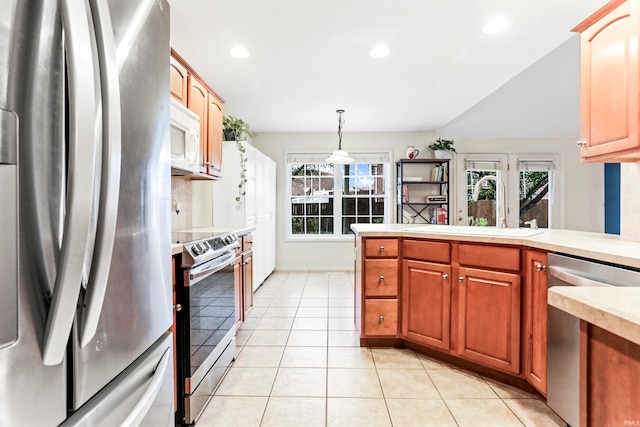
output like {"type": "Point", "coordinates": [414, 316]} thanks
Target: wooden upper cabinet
{"type": "Point", "coordinates": [179, 83]}
{"type": "Point", "coordinates": [489, 318]}
{"type": "Point", "coordinates": [198, 96]}
{"type": "Point", "coordinates": [198, 102]}
{"type": "Point", "coordinates": [214, 136]}
{"type": "Point", "coordinates": [535, 318]}
{"type": "Point", "coordinates": [610, 83]}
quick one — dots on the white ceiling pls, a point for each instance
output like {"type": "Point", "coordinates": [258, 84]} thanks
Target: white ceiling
{"type": "Point", "coordinates": [311, 57]}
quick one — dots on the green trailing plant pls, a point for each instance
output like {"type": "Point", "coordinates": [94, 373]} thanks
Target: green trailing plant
{"type": "Point", "coordinates": [243, 170]}
{"type": "Point", "coordinates": [235, 129]}
{"type": "Point", "coordinates": [443, 144]}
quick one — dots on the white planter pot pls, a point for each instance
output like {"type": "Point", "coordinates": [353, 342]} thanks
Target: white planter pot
{"type": "Point", "coordinates": [441, 154]}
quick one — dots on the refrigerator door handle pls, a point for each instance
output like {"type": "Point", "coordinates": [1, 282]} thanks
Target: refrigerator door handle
{"type": "Point", "coordinates": [80, 181]}
{"type": "Point", "coordinates": [138, 413]}
{"type": "Point", "coordinates": [110, 181]}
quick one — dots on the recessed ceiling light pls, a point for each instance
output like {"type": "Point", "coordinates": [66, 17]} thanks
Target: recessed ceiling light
{"type": "Point", "coordinates": [380, 51]}
{"type": "Point", "coordinates": [497, 24]}
{"type": "Point", "coordinates": [239, 52]}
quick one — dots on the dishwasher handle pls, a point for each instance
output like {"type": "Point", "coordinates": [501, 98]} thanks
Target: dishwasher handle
{"type": "Point", "coordinates": [573, 279]}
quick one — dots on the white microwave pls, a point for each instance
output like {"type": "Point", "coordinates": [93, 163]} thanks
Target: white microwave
{"type": "Point", "coordinates": [185, 140]}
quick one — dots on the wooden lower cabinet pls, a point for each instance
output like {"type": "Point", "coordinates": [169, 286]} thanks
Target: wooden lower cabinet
{"type": "Point", "coordinates": [426, 298]}
{"type": "Point", "coordinates": [381, 318]}
{"type": "Point", "coordinates": [535, 320]}
{"type": "Point", "coordinates": [489, 318]}
{"type": "Point", "coordinates": [610, 378]}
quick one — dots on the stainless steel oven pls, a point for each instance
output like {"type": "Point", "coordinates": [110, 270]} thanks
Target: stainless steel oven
{"type": "Point", "coordinates": [205, 321]}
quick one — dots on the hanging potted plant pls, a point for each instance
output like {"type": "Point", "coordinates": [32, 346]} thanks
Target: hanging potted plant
{"type": "Point", "coordinates": [442, 148]}
{"type": "Point", "coordinates": [237, 130]}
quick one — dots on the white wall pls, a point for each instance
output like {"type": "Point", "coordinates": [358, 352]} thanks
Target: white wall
{"type": "Point", "coordinates": [335, 255]}
{"type": "Point", "coordinates": [630, 200]}
{"type": "Point", "coordinates": [542, 101]}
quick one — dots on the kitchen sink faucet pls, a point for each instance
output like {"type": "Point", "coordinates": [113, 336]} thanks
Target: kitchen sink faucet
{"type": "Point", "coordinates": [503, 206]}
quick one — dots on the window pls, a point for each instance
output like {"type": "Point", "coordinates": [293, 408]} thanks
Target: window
{"type": "Point", "coordinates": [530, 182]}
{"type": "Point", "coordinates": [325, 199]}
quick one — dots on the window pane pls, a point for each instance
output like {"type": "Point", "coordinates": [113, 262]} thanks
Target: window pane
{"type": "Point", "coordinates": [377, 206]}
{"type": "Point", "coordinates": [482, 212]}
{"type": "Point", "coordinates": [312, 225]}
{"type": "Point", "coordinates": [297, 208]}
{"type": "Point", "coordinates": [297, 225]}
{"type": "Point", "coordinates": [326, 208]}
{"type": "Point", "coordinates": [377, 220]}
{"type": "Point", "coordinates": [348, 206]}
{"type": "Point", "coordinates": [346, 222]}
{"type": "Point", "coordinates": [534, 197]}
{"type": "Point", "coordinates": [326, 225]}
{"type": "Point", "coordinates": [326, 184]}
{"type": "Point", "coordinates": [297, 187]}
{"type": "Point", "coordinates": [313, 209]}
{"type": "Point", "coordinates": [363, 206]}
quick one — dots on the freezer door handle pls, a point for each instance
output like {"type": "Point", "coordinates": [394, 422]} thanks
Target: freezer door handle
{"type": "Point", "coordinates": [80, 181]}
{"type": "Point", "coordinates": [144, 404]}
{"type": "Point", "coordinates": [110, 180]}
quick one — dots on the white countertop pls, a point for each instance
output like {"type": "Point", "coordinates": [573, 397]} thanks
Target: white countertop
{"type": "Point", "coordinates": [603, 247]}
{"type": "Point", "coordinates": [616, 310]}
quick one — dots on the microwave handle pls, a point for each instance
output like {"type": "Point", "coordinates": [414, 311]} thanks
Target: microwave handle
{"type": "Point", "coordinates": [194, 146]}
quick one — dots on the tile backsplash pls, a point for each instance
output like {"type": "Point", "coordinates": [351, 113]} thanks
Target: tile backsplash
{"type": "Point", "coordinates": [182, 193]}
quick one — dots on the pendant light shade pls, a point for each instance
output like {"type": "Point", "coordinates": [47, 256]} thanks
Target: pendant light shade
{"type": "Point", "coordinates": [340, 156]}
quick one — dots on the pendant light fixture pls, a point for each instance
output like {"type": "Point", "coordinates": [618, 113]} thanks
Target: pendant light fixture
{"type": "Point", "coordinates": [340, 156]}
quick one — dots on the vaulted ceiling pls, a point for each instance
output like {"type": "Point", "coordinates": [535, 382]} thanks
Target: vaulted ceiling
{"type": "Point", "coordinates": [311, 57]}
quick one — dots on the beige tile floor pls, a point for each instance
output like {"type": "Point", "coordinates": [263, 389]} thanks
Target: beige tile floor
{"type": "Point", "coordinates": [299, 364]}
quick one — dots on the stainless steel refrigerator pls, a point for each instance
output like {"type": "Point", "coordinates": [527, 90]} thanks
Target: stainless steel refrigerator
{"type": "Point", "coordinates": [85, 277]}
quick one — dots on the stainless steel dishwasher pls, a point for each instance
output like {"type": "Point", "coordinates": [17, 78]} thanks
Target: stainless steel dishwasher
{"type": "Point", "coordinates": [563, 329]}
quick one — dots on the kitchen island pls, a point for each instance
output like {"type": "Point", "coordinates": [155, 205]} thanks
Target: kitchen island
{"type": "Point", "coordinates": [478, 298]}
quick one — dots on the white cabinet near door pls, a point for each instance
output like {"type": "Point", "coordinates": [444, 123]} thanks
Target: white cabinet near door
{"type": "Point", "coordinates": [256, 208]}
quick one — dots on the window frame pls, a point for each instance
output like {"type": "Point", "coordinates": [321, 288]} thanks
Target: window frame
{"type": "Point", "coordinates": [510, 174]}
{"type": "Point", "coordinates": [359, 158]}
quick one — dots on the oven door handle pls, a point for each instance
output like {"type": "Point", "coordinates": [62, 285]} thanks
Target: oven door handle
{"type": "Point", "coordinates": [210, 267]}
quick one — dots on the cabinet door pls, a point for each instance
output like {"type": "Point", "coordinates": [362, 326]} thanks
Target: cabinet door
{"type": "Point", "coordinates": [198, 102]}
{"type": "Point", "coordinates": [179, 82]}
{"type": "Point", "coordinates": [610, 85]}
{"type": "Point", "coordinates": [214, 136]}
{"type": "Point", "coordinates": [535, 317]}
{"type": "Point", "coordinates": [247, 282]}
{"type": "Point", "coordinates": [426, 292]}
{"type": "Point", "coordinates": [237, 289]}
{"type": "Point", "coordinates": [489, 318]}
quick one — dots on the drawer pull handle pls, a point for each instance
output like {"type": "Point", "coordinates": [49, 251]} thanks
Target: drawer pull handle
{"type": "Point", "coordinates": [381, 248]}
{"type": "Point", "coordinates": [381, 318]}
{"type": "Point", "coordinates": [461, 279]}
{"type": "Point", "coordinates": [445, 276]}
{"type": "Point", "coordinates": [582, 143]}
{"type": "Point", "coordinates": [541, 267]}
{"type": "Point", "coordinates": [382, 278]}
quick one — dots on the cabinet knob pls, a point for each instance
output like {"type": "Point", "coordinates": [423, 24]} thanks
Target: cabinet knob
{"type": "Point", "coordinates": [381, 279]}
{"type": "Point", "coordinates": [582, 143]}
{"type": "Point", "coordinates": [445, 276]}
{"type": "Point", "coordinates": [541, 267]}
{"type": "Point", "coordinates": [381, 318]}
{"type": "Point", "coordinates": [178, 307]}
{"type": "Point", "coordinates": [381, 248]}
{"type": "Point", "coordinates": [207, 163]}
{"type": "Point", "coordinates": [461, 279]}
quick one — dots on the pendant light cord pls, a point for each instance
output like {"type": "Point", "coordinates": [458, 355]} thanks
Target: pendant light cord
{"type": "Point", "coordinates": [340, 123]}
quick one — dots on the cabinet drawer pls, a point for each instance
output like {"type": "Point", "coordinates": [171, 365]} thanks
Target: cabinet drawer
{"type": "Point", "coordinates": [492, 257]}
{"type": "Point", "coordinates": [427, 251]}
{"type": "Point", "coordinates": [381, 317]}
{"type": "Point", "coordinates": [247, 242]}
{"type": "Point", "coordinates": [381, 278]}
{"type": "Point", "coordinates": [381, 248]}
